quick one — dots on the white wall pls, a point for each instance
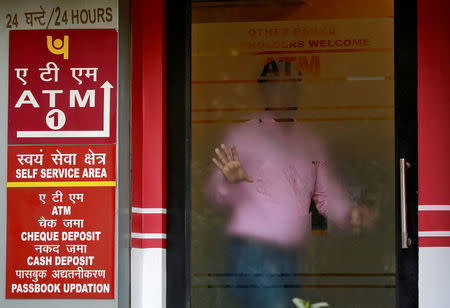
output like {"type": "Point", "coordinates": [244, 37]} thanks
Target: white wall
{"type": "Point", "coordinates": [434, 277]}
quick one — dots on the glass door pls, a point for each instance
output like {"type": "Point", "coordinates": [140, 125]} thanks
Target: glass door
{"type": "Point", "coordinates": [292, 166]}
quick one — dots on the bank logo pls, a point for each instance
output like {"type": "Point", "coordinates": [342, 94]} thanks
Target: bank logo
{"type": "Point", "coordinates": [58, 47]}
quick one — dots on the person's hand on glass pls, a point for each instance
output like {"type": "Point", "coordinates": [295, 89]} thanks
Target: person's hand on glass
{"type": "Point", "coordinates": [230, 166]}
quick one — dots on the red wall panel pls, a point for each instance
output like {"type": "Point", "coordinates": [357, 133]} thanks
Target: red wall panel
{"type": "Point", "coordinates": [148, 120]}
{"type": "Point", "coordinates": [434, 101]}
{"type": "Point", "coordinates": [433, 114]}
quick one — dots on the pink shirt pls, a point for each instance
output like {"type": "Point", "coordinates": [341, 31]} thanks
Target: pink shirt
{"type": "Point", "coordinates": [289, 168]}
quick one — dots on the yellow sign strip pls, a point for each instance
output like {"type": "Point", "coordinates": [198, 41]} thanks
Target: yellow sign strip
{"type": "Point", "coordinates": [61, 184]}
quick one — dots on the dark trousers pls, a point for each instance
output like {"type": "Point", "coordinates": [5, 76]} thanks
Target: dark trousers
{"type": "Point", "coordinates": [258, 272]}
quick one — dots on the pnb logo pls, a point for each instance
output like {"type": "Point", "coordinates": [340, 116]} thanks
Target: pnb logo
{"type": "Point", "coordinates": [58, 47]}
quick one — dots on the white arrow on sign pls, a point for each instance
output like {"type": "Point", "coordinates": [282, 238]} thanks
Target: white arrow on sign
{"type": "Point", "coordinates": [106, 105]}
{"type": "Point", "coordinates": [107, 86]}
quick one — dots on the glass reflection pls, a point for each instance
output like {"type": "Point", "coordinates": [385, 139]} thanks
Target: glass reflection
{"type": "Point", "coordinates": [298, 201]}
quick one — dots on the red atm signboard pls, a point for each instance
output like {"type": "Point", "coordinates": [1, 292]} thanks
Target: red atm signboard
{"type": "Point", "coordinates": [62, 86]}
{"type": "Point", "coordinates": [61, 189]}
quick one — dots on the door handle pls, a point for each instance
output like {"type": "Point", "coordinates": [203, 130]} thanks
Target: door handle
{"type": "Point", "coordinates": [406, 241]}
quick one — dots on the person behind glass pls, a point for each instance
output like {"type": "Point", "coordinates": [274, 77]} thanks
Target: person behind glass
{"type": "Point", "coordinates": [268, 171]}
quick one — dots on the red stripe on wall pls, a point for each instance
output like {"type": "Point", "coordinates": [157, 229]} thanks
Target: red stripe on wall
{"type": "Point", "coordinates": [136, 97]}
{"type": "Point", "coordinates": [148, 115]}
{"type": "Point", "coordinates": [434, 241]}
{"type": "Point", "coordinates": [148, 243]}
{"type": "Point", "coordinates": [433, 101]}
{"type": "Point", "coordinates": [433, 96]}
{"type": "Point", "coordinates": [434, 220]}
{"type": "Point", "coordinates": [148, 223]}
{"type": "Point", "coordinates": [148, 104]}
